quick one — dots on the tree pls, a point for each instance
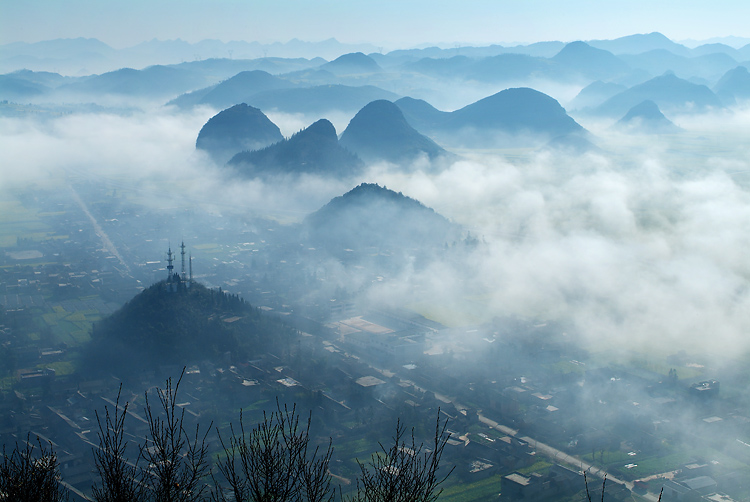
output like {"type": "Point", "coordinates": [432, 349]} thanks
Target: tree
{"type": "Point", "coordinates": [31, 474]}
{"type": "Point", "coordinates": [404, 472]}
{"type": "Point", "coordinates": [273, 462]}
{"type": "Point", "coordinates": [119, 477]}
{"type": "Point", "coordinates": [171, 464]}
{"type": "Point", "coordinates": [177, 461]}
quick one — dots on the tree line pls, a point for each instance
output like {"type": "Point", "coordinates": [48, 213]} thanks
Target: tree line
{"type": "Point", "coordinates": [272, 461]}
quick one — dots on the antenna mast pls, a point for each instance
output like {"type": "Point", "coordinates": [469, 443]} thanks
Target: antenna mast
{"type": "Point", "coordinates": [170, 267]}
{"type": "Point", "coordinates": [182, 274]}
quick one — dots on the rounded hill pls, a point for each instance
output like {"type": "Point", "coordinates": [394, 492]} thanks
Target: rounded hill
{"type": "Point", "coordinates": [373, 216]}
{"type": "Point", "coordinates": [355, 62]}
{"type": "Point", "coordinates": [164, 326]}
{"type": "Point", "coordinates": [237, 129]}
{"type": "Point", "coordinates": [379, 131]}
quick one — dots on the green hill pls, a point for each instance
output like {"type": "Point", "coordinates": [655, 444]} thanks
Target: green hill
{"type": "Point", "coordinates": [163, 327]}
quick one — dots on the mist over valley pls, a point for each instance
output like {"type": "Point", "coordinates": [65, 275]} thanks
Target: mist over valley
{"type": "Point", "coordinates": [544, 241]}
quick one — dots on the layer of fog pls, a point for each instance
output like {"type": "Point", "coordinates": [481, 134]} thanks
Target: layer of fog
{"type": "Point", "coordinates": [636, 246]}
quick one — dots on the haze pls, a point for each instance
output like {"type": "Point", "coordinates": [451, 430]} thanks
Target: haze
{"type": "Point", "coordinates": [387, 23]}
{"type": "Point", "coordinates": [526, 213]}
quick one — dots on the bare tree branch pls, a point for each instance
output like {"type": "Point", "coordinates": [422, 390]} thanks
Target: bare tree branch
{"type": "Point", "coordinates": [31, 473]}
{"type": "Point", "coordinates": [272, 463]}
{"type": "Point", "coordinates": [177, 462]}
{"type": "Point", "coordinates": [404, 472]}
{"type": "Point", "coordinates": [119, 478]}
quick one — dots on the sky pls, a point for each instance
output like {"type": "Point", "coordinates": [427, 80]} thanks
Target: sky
{"type": "Point", "coordinates": [386, 23]}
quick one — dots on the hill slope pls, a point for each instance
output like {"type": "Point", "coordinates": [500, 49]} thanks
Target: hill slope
{"type": "Point", "coordinates": [162, 327]}
{"type": "Point", "coordinates": [379, 131]}
{"type": "Point", "coordinates": [319, 99]}
{"type": "Point", "coordinates": [237, 129]}
{"type": "Point", "coordinates": [314, 150]}
{"type": "Point", "coordinates": [373, 216]}
{"type": "Point", "coordinates": [734, 85]}
{"type": "Point", "coordinates": [518, 116]}
{"type": "Point", "coordinates": [646, 118]}
{"type": "Point", "coordinates": [352, 63]}
{"type": "Point", "coordinates": [667, 91]}
{"type": "Point", "coordinates": [591, 62]}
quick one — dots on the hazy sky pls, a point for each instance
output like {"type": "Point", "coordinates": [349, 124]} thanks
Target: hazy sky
{"type": "Point", "coordinates": [387, 23]}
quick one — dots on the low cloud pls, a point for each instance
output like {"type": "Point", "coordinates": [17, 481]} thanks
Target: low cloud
{"type": "Point", "coordinates": [635, 250]}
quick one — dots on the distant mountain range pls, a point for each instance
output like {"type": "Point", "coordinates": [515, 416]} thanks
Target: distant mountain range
{"type": "Point", "coordinates": [314, 150]}
{"type": "Point", "coordinates": [232, 91]}
{"type": "Point", "coordinates": [351, 80]}
{"type": "Point", "coordinates": [668, 91]}
{"type": "Point", "coordinates": [153, 82]}
{"type": "Point", "coordinates": [591, 62]}
{"type": "Point", "coordinates": [319, 99]}
{"type": "Point", "coordinates": [81, 56]}
{"type": "Point", "coordinates": [522, 116]}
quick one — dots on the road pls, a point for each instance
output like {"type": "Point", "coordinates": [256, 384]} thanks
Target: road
{"type": "Point", "coordinates": [562, 457]}
{"type": "Point", "coordinates": [106, 241]}
{"type": "Point", "coordinates": [556, 455]}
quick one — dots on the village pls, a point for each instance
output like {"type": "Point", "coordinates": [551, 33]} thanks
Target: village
{"type": "Point", "coordinates": [528, 408]}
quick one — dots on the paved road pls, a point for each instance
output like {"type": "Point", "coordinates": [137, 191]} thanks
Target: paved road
{"type": "Point", "coordinates": [545, 449]}
{"type": "Point", "coordinates": [106, 241]}
{"type": "Point", "coordinates": [562, 457]}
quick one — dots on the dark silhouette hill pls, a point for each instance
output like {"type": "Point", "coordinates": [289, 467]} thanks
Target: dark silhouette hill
{"type": "Point", "coordinates": [160, 326]}
{"type": "Point", "coordinates": [319, 99]}
{"type": "Point", "coordinates": [667, 91]}
{"type": "Point", "coordinates": [373, 216]}
{"type": "Point", "coordinates": [595, 94]}
{"type": "Point", "coordinates": [591, 62]}
{"type": "Point", "coordinates": [734, 85]}
{"type": "Point", "coordinates": [646, 118]}
{"type": "Point", "coordinates": [379, 131]}
{"type": "Point", "coordinates": [353, 63]}
{"type": "Point", "coordinates": [237, 129]}
{"type": "Point", "coordinates": [314, 150]}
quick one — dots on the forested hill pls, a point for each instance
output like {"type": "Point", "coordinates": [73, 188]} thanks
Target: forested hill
{"type": "Point", "coordinates": [162, 327]}
{"type": "Point", "coordinates": [373, 216]}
